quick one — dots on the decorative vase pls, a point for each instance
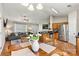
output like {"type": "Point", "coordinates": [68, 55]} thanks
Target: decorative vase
{"type": "Point", "coordinates": [35, 46]}
{"type": "Point", "coordinates": [34, 43]}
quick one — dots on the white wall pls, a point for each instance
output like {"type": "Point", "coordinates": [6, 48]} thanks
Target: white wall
{"type": "Point", "coordinates": [41, 22]}
{"type": "Point", "coordinates": [60, 19]}
{"type": "Point", "coordinates": [2, 33]}
{"type": "Point", "coordinates": [77, 20]}
{"type": "Point", "coordinates": [20, 20]}
{"type": "Point", "coordinates": [72, 19]}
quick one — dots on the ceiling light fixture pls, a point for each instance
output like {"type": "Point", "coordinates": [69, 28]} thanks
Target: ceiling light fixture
{"type": "Point", "coordinates": [25, 4]}
{"type": "Point", "coordinates": [54, 10]}
{"type": "Point", "coordinates": [31, 8]}
{"type": "Point", "coordinates": [39, 6]}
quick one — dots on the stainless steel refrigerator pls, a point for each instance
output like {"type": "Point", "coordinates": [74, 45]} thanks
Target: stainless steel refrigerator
{"type": "Point", "coordinates": [63, 32]}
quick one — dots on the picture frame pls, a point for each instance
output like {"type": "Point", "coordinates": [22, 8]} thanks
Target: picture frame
{"type": "Point", "coordinates": [45, 26]}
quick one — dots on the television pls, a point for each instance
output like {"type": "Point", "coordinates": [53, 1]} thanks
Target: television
{"type": "Point", "coordinates": [45, 26]}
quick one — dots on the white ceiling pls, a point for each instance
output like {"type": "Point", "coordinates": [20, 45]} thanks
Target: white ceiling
{"type": "Point", "coordinates": [17, 10]}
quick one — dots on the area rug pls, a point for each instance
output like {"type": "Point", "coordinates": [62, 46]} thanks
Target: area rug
{"type": "Point", "coordinates": [55, 54]}
{"type": "Point", "coordinates": [47, 48]}
{"type": "Point", "coordinates": [22, 52]}
{"type": "Point", "coordinates": [25, 44]}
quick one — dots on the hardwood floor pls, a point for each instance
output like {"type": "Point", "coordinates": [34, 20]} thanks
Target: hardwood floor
{"type": "Point", "coordinates": [62, 48]}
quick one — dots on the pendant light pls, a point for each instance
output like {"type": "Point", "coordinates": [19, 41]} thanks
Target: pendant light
{"type": "Point", "coordinates": [31, 7]}
{"type": "Point", "coordinates": [39, 6]}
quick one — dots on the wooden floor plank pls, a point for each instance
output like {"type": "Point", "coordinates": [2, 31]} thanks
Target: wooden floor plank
{"type": "Point", "coordinates": [62, 48]}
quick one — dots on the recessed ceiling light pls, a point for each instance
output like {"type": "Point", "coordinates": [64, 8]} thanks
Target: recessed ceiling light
{"type": "Point", "coordinates": [54, 10]}
{"type": "Point", "coordinates": [31, 8]}
{"type": "Point", "coordinates": [39, 6]}
{"type": "Point", "coordinates": [25, 4]}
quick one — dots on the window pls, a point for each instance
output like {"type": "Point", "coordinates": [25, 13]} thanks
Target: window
{"type": "Point", "coordinates": [20, 28]}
